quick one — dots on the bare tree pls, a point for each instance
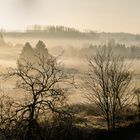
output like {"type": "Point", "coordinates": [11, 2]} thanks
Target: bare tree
{"type": "Point", "coordinates": [46, 83]}
{"type": "Point", "coordinates": [137, 93]}
{"type": "Point", "coordinates": [107, 84]}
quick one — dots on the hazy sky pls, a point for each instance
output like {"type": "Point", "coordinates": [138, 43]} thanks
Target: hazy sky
{"type": "Point", "coordinates": [100, 15]}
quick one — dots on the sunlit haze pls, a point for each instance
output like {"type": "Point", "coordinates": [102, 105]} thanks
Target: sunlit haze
{"type": "Point", "coordinates": [99, 15]}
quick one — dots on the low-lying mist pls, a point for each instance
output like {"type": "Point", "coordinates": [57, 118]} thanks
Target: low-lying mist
{"type": "Point", "coordinates": [72, 53]}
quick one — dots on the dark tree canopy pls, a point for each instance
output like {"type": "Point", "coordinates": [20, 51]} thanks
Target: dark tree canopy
{"type": "Point", "coordinates": [29, 53]}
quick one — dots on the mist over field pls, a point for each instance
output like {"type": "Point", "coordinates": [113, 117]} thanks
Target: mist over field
{"type": "Point", "coordinates": [25, 54]}
{"type": "Point", "coordinates": [69, 70]}
{"type": "Point", "coordinates": [72, 51]}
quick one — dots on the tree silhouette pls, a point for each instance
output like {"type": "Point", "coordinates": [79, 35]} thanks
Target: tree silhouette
{"type": "Point", "coordinates": [107, 84]}
{"type": "Point", "coordinates": [46, 83]}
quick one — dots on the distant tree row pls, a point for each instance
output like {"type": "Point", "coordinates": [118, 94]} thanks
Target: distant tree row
{"type": "Point", "coordinates": [132, 52]}
{"type": "Point", "coordinates": [51, 29]}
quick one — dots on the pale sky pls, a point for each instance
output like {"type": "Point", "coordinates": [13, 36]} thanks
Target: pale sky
{"type": "Point", "coordinates": [99, 15]}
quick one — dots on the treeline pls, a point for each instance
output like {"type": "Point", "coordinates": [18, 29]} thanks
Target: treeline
{"type": "Point", "coordinates": [67, 32]}
{"type": "Point", "coordinates": [50, 29]}
{"type": "Point", "coordinates": [132, 52]}
{"type": "Point", "coordinates": [62, 30]}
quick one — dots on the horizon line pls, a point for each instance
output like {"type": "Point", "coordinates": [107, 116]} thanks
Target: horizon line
{"type": "Point", "coordinates": [24, 29]}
